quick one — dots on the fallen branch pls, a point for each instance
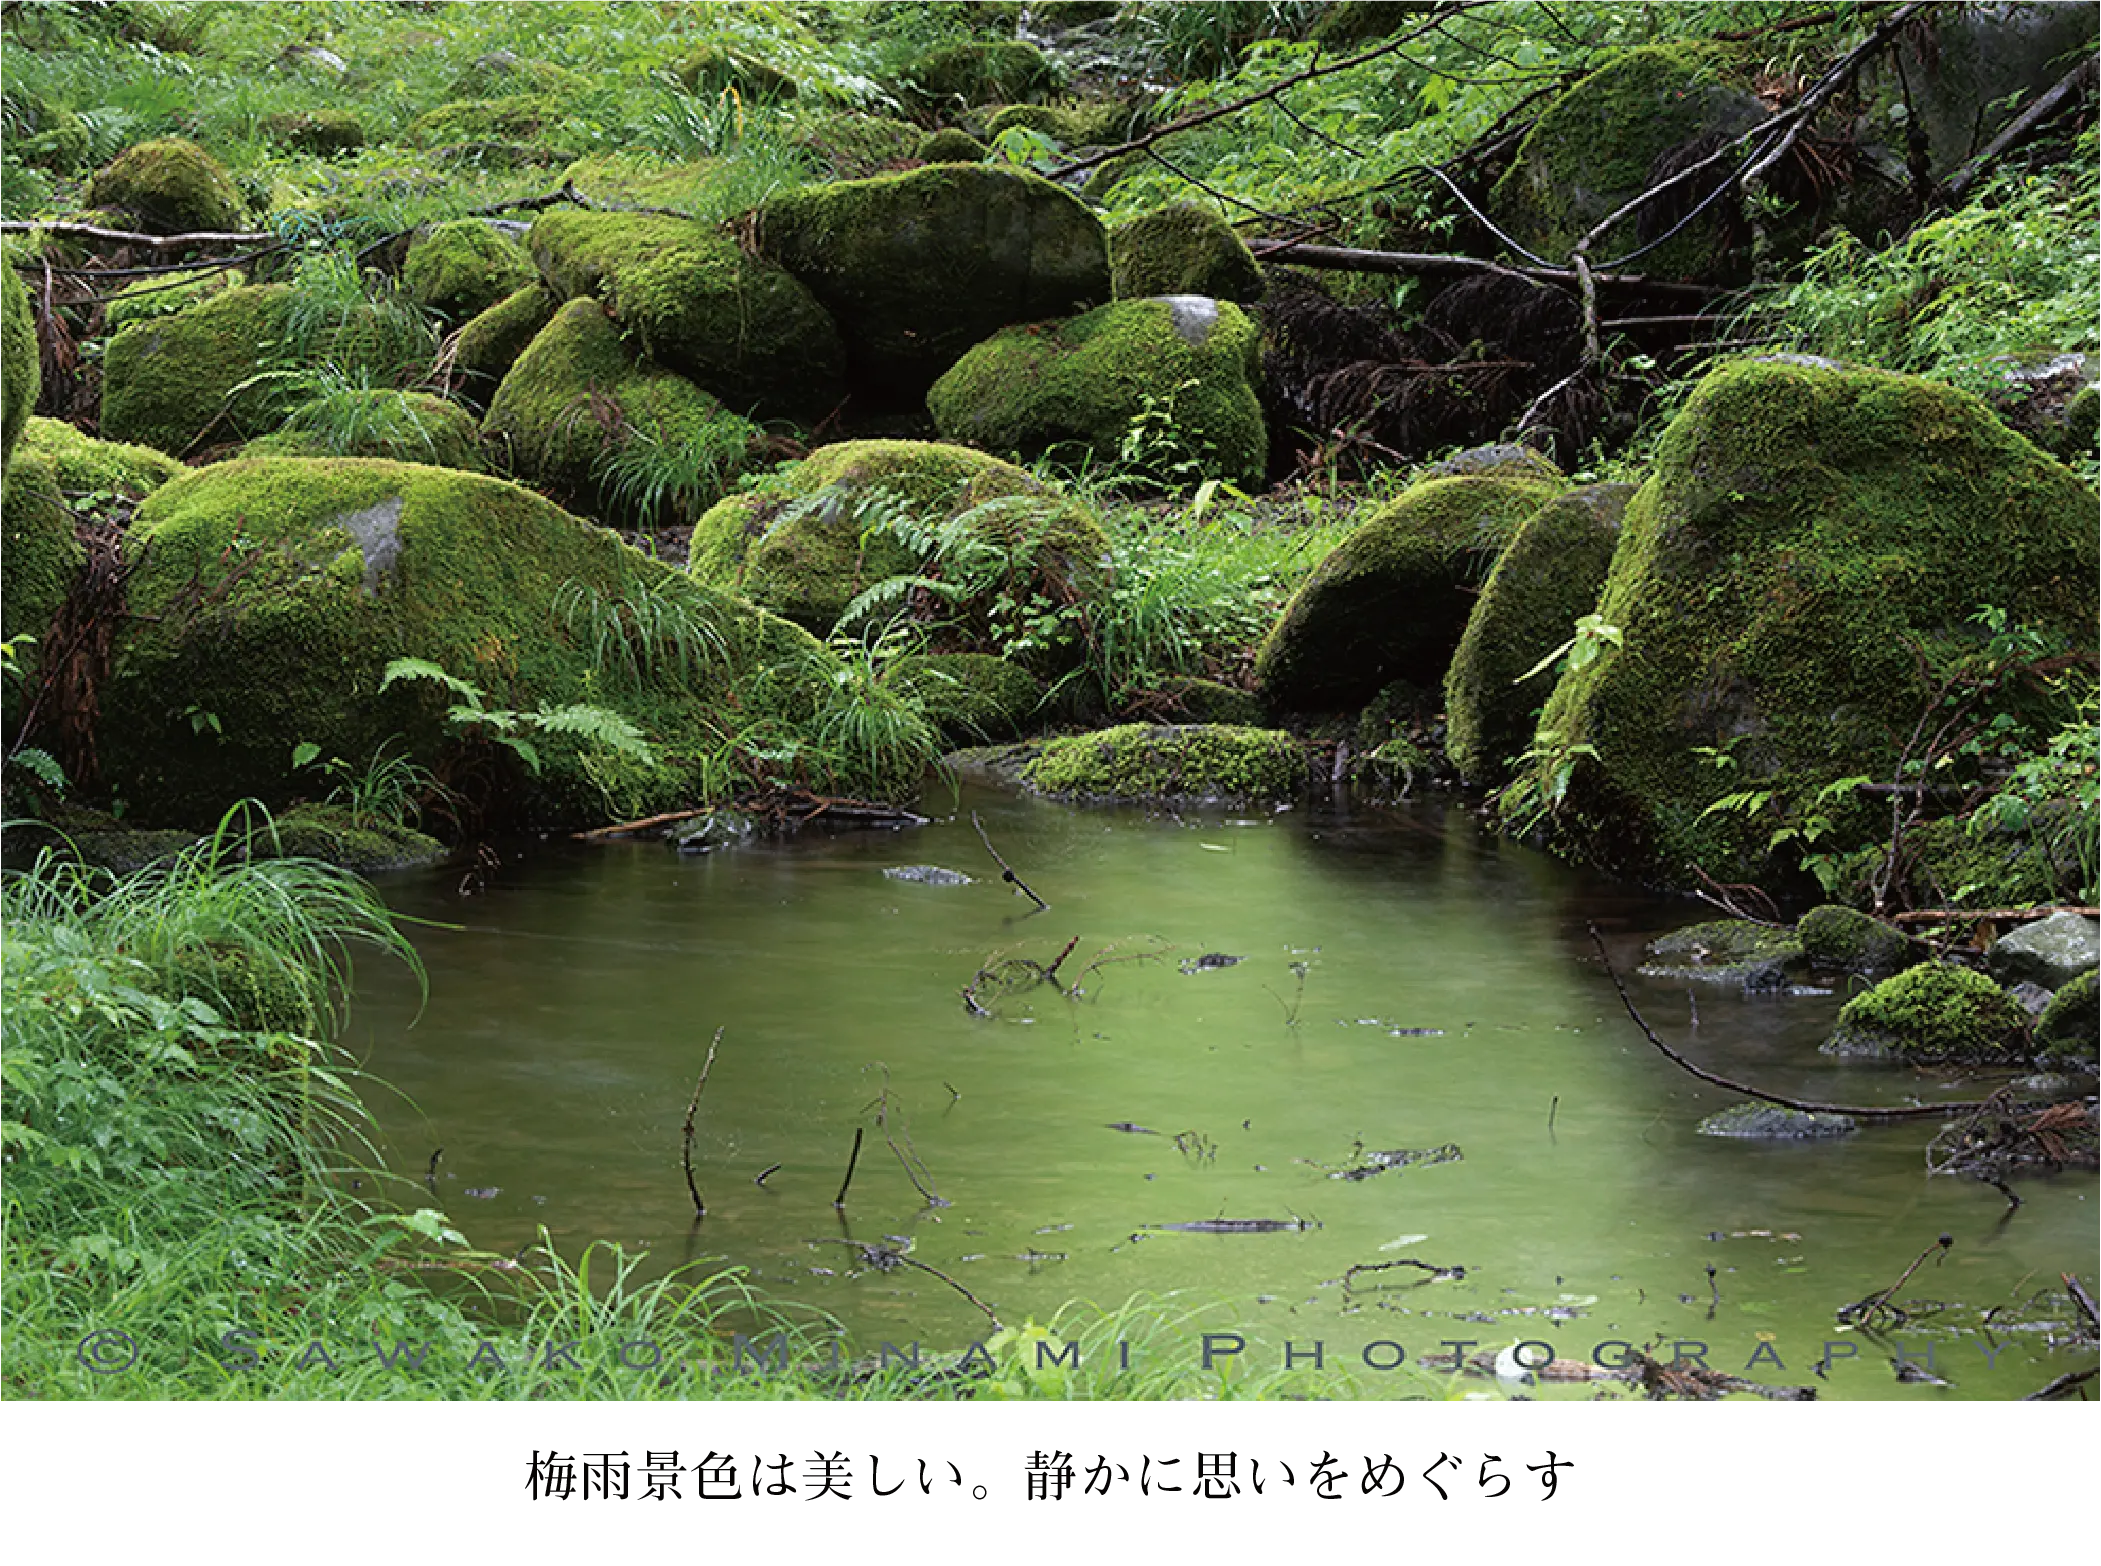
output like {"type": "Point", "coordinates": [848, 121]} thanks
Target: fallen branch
{"type": "Point", "coordinates": [885, 1258]}
{"type": "Point", "coordinates": [1335, 258]}
{"type": "Point", "coordinates": [1405, 1261]}
{"type": "Point", "coordinates": [852, 1158]}
{"type": "Point", "coordinates": [1863, 1310]}
{"type": "Point", "coordinates": [1006, 871]}
{"type": "Point", "coordinates": [2084, 1300]}
{"type": "Point", "coordinates": [700, 1208]}
{"type": "Point", "coordinates": [116, 236]}
{"type": "Point", "coordinates": [1957, 185]}
{"type": "Point", "coordinates": [1948, 915]}
{"type": "Point", "coordinates": [2070, 1381]}
{"type": "Point", "coordinates": [619, 828]}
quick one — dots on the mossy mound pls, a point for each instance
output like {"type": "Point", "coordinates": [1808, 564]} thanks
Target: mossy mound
{"type": "Point", "coordinates": [338, 835]}
{"type": "Point", "coordinates": [1190, 700]}
{"type": "Point", "coordinates": [502, 73]}
{"type": "Point", "coordinates": [20, 376]}
{"type": "Point", "coordinates": [503, 132]}
{"type": "Point", "coordinates": [85, 465]}
{"type": "Point", "coordinates": [974, 696]}
{"type": "Point", "coordinates": [851, 145]}
{"type": "Point", "coordinates": [1545, 581]}
{"type": "Point", "coordinates": [577, 399]}
{"type": "Point", "coordinates": [1187, 366]}
{"type": "Point", "coordinates": [170, 186]}
{"type": "Point", "coordinates": [323, 132]}
{"type": "Point", "coordinates": [710, 71]}
{"type": "Point", "coordinates": [1933, 1012]}
{"type": "Point", "coordinates": [488, 345]}
{"type": "Point", "coordinates": [950, 145]}
{"type": "Point", "coordinates": [1183, 249]}
{"type": "Point", "coordinates": [967, 74]}
{"type": "Point", "coordinates": [1793, 584]}
{"type": "Point", "coordinates": [1070, 125]}
{"type": "Point", "coordinates": [918, 267]}
{"type": "Point", "coordinates": [43, 557]}
{"type": "Point", "coordinates": [1391, 601]}
{"type": "Point", "coordinates": [735, 324]}
{"type": "Point", "coordinates": [1164, 762]}
{"type": "Point", "coordinates": [165, 295]}
{"type": "Point", "coordinates": [1725, 951]}
{"type": "Point", "coordinates": [2070, 1027]}
{"type": "Point", "coordinates": [1595, 148]}
{"type": "Point", "coordinates": [46, 135]}
{"type": "Point", "coordinates": [272, 593]}
{"type": "Point", "coordinates": [1849, 941]}
{"type": "Point", "coordinates": [461, 269]}
{"type": "Point", "coordinates": [400, 426]}
{"type": "Point", "coordinates": [638, 180]}
{"type": "Point", "coordinates": [859, 513]}
{"type": "Point", "coordinates": [170, 382]}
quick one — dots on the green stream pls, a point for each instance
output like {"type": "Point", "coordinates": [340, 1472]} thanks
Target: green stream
{"type": "Point", "coordinates": [573, 1000]}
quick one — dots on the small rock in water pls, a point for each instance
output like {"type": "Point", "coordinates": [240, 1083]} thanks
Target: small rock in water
{"type": "Point", "coordinates": [927, 875]}
{"type": "Point", "coordinates": [1771, 1123]}
{"type": "Point", "coordinates": [484, 1193]}
{"type": "Point", "coordinates": [1208, 961]}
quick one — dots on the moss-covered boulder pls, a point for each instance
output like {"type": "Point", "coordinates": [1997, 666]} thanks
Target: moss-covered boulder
{"type": "Point", "coordinates": [42, 557]}
{"type": "Point", "coordinates": [166, 294]}
{"type": "Point", "coordinates": [1187, 699]}
{"type": "Point", "coordinates": [578, 407]}
{"type": "Point", "coordinates": [1845, 940]}
{"type": "Point", "coordinates": [1392, 600]}
{"type": "Point", "coordinates": [1544, 582]}
{"type": "Point", "coordinates": [400, 426]}
{"type": "Point", "coordinates": [20, 376]}
{"type": "Point", "coordinates": [339, 835]}
{"type": "Point", "coordinates": [461, 269]}
{"type": "Point", "coordinates": [323, 132]}
{"type": "Point", "coordinates": [919, 266]}
{"type": "Point", "coordinates": [1794, 584]}
{"type": "Point", "coordinates": [505, 132]}
{"type": "Point", "coordinates": [2069, 1030]}
{"type": "Point", "coordinates": [950, 145]}
{"type": "Point", "coordinates": [1165, 387]}
{"type": "Point", "coordinates": [860, 513]}
{"type": "Point", "coordinates": [172, 382]}
{"type": "Point", "coordinates": [1183, 249]}
{"type": "Point", "coordinates": [271, 594]}
{"type": "Point", "coordinates": [848, 144]}
{"type": "Point", "coordinates": [170, 186]}
{"type": "Point", "coordinates": [1074, 124]}
{"type": "Point", "coordinates": [973, 696]}
{"type": "Point", "coordinates": [692, 299]}
{"type": "Point", "coordinates": [487, 346]}
{"type": "Point", "coordinates": [1771, 1123]}
{"type": "Point", "coordinates": [1599, 145]}
{"type": "Point", "coordinates": [711, 70]}
{"type": "Point", "coordinates": [1725, 951]}
{"type": "Point", "coordinates": [1933, 1012]}
{"type": "Point", "coordinates": [1164, 762]}
{"type": "Point", "coordinates": [964, 74]}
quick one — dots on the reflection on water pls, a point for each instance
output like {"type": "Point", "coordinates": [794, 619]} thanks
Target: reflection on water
{"type": "Point", "coordinates": [1406, 981]}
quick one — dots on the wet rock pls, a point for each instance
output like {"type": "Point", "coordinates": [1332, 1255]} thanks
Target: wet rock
{"type": "Point", "coordinates": [2051, 952]}
{"type": "Point", "coordinates": [1771, 1123]}
{"type": "Point", "coordinates": [1161, 762]}
{"type": "Point", "coordinates": [1850, 941]}
{"type": "Point", "coordinates": [2069, 1028]}
{"type": "Point", "coordinates": [1936, 1012]}
{"type": "Point", "coordinates": [1725, 951]}
{"type": "Point", "coordinates": [927, 875]}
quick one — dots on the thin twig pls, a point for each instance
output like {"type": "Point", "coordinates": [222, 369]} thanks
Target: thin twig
{"type": "Point", "coordinates": [700, 1208]}
{"type": "Point", "coordinates": [2085, 1301]}
{"type": "Point", "coordinates": [852, 1158]}
{"type": "Point", "coordinates": [1006, 871]}
{"type": "Point", "coordinates": [885, 1258]}
{"type": "Point", "coordinates": [1861, 1310]}
{"type": "Point", "coordinates": [2067, 1382]}
{"type": "Point", "coordinates": [1958, 184]}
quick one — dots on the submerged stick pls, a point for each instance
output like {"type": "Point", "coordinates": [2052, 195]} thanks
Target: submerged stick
{"type": "Point", "coordinates": [852, 1158]}
{"type": "Point", "coordinates": [1006, 871]}
{"type": "Point", "coordinates": [1861, 1310]}
{"type": "Point", "coordinates": [700, 1208]}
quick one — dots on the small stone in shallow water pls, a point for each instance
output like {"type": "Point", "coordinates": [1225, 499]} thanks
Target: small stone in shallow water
{"type": "Point", "coordinates": [927, 875]}
{"type": "Point", "coordinates": [1771, 1123]}
{"type": "Point", "coordinates": [1208, 961]}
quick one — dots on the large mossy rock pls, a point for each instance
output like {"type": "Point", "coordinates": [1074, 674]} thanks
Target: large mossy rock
{"type": "Point", "coordinates": [860, 513]}
{"type": "Point", "coordinates": [966, 74]}
{"type": "Point", "coordinates": [2070, 1027]}
{"type": "Point", "coordinates": [1183, 249]}
{"type": "Point", "coordinates": [1391, 601]}
{"type": "Point", "coordinates": [1073, 391]}
{"type": "Point", "coordinates": [20, 377]}
{"type": "Point", "coordinates": [577, 399]}
{"type": "Point", "coordinates": [691, 298]}
{"type": "Point", "coordinates": [171, 382]}
{"type": "Point", "coordinates": [1936, 1011]}
{"type": "Point", "coordinates": [87, 465]}
{"type": "Point", "coordinates": [169, 187]}
{"type": "Point", "coordinates": [1144, 762]}
{"type": "Point", "coordinates": [1793, 584]}
{"type": "Point", "coordinates": [1845, 940]}
{"type": "Point", "coordinates": [974, 697]}
{"type": "Point", "coordinates": [2051, 952]}
{"type": "Point", "coordinates": [918, 267]}
{"type": "Point", "coordinates": [487, 346]}
{"type": "Point", "coordinates": [1545, 581]}
{"type": "Point", "coordinates": [463, 268]}
{"type": "Point", "coordinates": [1598, 145]}
{"type": "Point", "coordinates": [270, 595]}
{"type": "Point", "coordinates": [400, 426]}
{"type": "Point", "coordinates": [42, 557]}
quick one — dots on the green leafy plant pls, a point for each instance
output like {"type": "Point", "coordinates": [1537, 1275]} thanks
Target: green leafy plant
{"type": "Point", "coordinates": [669, 630]}
{"type": "Point", "coordinates": [648, 477]}
{"type": "Point", "coordinates": [1594, 639]}
{"type": "Point", "coordinates": [514, 730]}
{"type": "Point", "coordinates": [1544, 773]}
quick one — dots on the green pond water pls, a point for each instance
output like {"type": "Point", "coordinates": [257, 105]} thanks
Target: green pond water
{"type": "Point", "coordinates": [1450, 995]}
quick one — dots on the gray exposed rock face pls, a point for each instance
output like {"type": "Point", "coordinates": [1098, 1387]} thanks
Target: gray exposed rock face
{"type": "Point", "coordinates": [2051, 952]}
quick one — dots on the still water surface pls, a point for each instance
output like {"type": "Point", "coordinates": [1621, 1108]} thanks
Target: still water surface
{"type": "Point", "coordinates": [1450, 995]}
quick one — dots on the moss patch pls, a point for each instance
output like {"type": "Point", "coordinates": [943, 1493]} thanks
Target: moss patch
{"type": "Point", "coordinates": [489, 345]}
{"type": "Point", "coordinates": [1183, 249]}
{"type": "Point", "coordinates": [2070, 1027]}
{"type": "Point", "coordinates": [1392, 600]}
{"type": "Point", "coordinates": [1072, 391]}
{"type": "Point", "coordinates": [950, 146]}
{"type": "Point", "coordinates": [735, 324]}
{"type": "Point", "coordinates": [973, 696]}
{"type": "Point", "coordinates": [401, 426]}
{"type": "Point", "coordinates": [169, 187]}
{"type": "Point", "coordinates": [43, 558]}
{"type": "Point", "coordinates": [710, 71]}
{"type": "Point", "coordinates": [577, 398]}
{"type": "Point", "coordinates": [1140, 761]}
{"type": "Point", "coordinates": [1725, 951]}
{"type": "Point", "coordinates": [1849, 941]}
{"type": "Point", "coordinates": [1934, 1012]}
{"type": "Point", "coordinates": [165, 295]}
{"type": "Point", "coordinates": [1806, 535]}
{"type": "Point", "coordinates": [167, 382]}
{"type": "Point", "coordinates": [1544, 582]}
{"type": "Point", "coordinates": [919, 266]}
{"type": "Point", "coordinates": [461, 269]}
{"type": "Point", "coordinates": [20, 378]}
{"type": "Point", "coordinates": [323, 132]}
